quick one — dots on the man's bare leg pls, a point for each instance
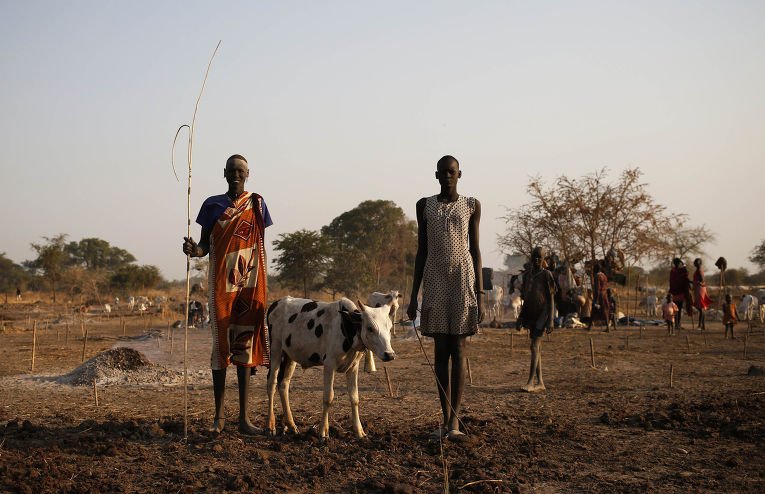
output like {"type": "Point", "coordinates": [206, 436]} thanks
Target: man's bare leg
{"type": "Point", "coordinates": [535, 369]}
{"type": "Point", "coordinates": [219, 390]}
{"type": "Point", "coordinates": [540, 385]}
{"type": "Point", "coordinates": [243, 376]}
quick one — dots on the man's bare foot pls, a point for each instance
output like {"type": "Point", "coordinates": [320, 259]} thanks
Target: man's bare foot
{"type": "Point", "coordinates": [246, 427]}
{"type": "Point", "coordinates": [217, 426]}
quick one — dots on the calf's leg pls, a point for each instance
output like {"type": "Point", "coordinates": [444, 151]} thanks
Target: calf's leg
{"type": "Point", "coordinates": [273, 371]}
{"type": "Point", "coordinates": [352, 383]}
{"type": "Point", "coordinates": [329, 395]}
{"type": "Point", "coordinates": [286, 371]}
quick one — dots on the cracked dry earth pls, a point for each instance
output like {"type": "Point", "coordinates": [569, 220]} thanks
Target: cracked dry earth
{"type": "Point", "coordinates": [616, 427]}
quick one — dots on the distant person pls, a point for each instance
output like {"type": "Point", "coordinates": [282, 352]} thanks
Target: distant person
{"type": "Point", "coordinates": [448, 265]}
{"type": "Point", "coordinates": [679, 288]}
{"type": "Point", "coordinates": [668, 311]}
{"type": "Point", "coordinates": [18, 293]}
{"type": "Point", "coordinates": [537, 313]}
{"type": "Point", "coordinates": [730, 316]}
{"type": "Point", "coordinates": [233, 225]}
{"type": "Point", "coordinates": [700, 298]}
{"type": "Point", "coordinates": [600, 307]}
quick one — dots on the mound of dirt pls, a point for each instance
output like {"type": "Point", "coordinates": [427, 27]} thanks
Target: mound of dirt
{"type": "Point", "coordinates": [106, 366]}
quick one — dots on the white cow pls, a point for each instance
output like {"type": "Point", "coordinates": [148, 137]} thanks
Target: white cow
{"type": "Point", "coordinates": [495, 302]}
{"type": "Point", "coordinates": [652, 305]}
{"type": "Point", "coordinates": [748, 308]}
{"type": "Point", "coordinates": [331, 334]}
{"type": "Point", "coordinates": [107, 308]}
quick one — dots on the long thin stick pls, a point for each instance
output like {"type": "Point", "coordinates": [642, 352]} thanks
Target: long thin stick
{"type": "Point", "coordinates": [671, 375]}
{"type": "Point", "coordinates": [188, 256]}
{"type": "Point", "coordinates": [387, 377]}
{"type": "Point", "coordinates": [34, 344]}
{"type": "Point", "coordinates": [84, 343]}
{"type": "Point", "coordinates": [592, 353]}
{"type": "Point", "coordinates": [470, 374]}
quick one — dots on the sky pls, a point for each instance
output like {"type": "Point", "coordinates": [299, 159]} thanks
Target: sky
{"type": "Point", "coordinates": [334, 103]}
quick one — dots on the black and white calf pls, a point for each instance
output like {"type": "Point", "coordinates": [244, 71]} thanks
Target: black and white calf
{"type": "Point", "coordinates": [332, 334]}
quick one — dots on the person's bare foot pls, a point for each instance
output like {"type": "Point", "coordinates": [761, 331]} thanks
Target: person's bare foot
{"type": "Point", "coordinates": [217, 426]}
{"type": "Point", "coordinates": [533, 388]}
{"type": "Point", "coordinates": [246, 427]}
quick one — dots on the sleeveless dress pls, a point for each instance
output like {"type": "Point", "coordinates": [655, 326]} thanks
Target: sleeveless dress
{"type": "Point", "coordinates": [700, 298]}
{"type": "Point", "coordinates": [449, 304]}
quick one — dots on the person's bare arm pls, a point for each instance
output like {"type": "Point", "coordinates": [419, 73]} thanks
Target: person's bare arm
{"type": "Point", "coordinates": [200, 249]}
{"type": "Point", "coordinates": [419, 260]}
{"type": "Point", "coordinates": [475, 253]}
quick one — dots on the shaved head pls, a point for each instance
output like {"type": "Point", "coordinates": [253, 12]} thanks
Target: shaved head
{"type": "Point", "coordinates": [235, 157]}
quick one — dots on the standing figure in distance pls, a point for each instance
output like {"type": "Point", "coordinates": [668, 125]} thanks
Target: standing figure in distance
{"type": "Point", "coordinates": [537, 312]}
{"type": "Point", "coordinates": [679, 288]}
{"type": "Point", "coordinates": [730, 316]}
{"type": "Point", "coordinates": [600, 305]}
{"type": "Point", "coordinates": [448, 265]}
{"type": "Point", "coordinates": [668, 311]}
{"type": "Point", "coordinates": [700, 298]}
{"type": "Point", "coordinates": [232, 233]}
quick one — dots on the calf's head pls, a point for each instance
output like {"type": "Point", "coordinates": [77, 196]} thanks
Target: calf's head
{"type": "Point", "coordinates": [375, 330]}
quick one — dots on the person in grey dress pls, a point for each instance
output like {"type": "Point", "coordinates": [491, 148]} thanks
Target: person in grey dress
{"type": "Point", "coordinates": [448, 266]}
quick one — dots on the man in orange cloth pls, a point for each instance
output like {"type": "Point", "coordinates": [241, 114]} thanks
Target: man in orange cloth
{"type": "Point", "coordinates": [232, 233]}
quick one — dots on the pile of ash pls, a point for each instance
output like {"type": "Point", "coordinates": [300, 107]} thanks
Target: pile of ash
{"type": "Point", "coordinates": [116, 366]}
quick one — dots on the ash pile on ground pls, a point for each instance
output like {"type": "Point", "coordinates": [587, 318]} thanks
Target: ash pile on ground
{"type": "Point", "coordinates": [118, 366]}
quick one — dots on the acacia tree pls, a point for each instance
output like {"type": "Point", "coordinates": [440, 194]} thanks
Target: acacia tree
{"type": "Point", "coordinates": [95, 253]}
{"type": "Point", "coordinates": [302, 259]}
{"type": "Point", "coordinates": [12, 275]}
{"type": "Point", "coordinates": [50, 261]}
{"type": "Point", "coordinates": [758, 255]}
{"type": "Point", "coordinates": [586, 217]}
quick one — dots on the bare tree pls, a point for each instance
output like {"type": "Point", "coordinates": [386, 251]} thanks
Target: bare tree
{"type": "Point", "coordinates": [689, 241]}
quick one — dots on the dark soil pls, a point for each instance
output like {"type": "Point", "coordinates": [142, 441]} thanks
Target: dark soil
{"type": "Point", "coordinates": [618, 427]}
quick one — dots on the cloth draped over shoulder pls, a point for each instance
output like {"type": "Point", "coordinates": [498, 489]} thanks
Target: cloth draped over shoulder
{"type": "Point", "coordinates": [680, 287]}
{"type": "Point", "coordinates": [237, 283]}
{"type": "Point", "coordinates": [700, 298]}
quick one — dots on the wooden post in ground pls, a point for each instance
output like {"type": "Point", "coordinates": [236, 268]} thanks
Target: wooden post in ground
{"type": "Point", "coordinates": [66, 339]}
{"type": "Point", "coordinates": [628, 343]}
{"type": "Point", "coordinates": [167, 333]}
{"type": "Point", "coordinates": [57, 334]}
{"type": "Point", "coordinates": [172, 339]}
{"type": "Point", "coordinates": [592, 354]}
{"type": "Point", "coordinates": [470, 374]}
{"type": "Point", "coordinates": [746, 344]}
{"type": "Point", "coordinates": [124, 328]}
{"type": "Point", "coordinates": [671, 375]}
{"type": "Point", "coordinates": [511, 343]}
{"type": "Point", "coordinates": [95, 391]}
{"type": "Point", "coordinates": [34, 344]}
{"type": "Point", "coordinates": [705, 337]}
{"type": "Point", "coordinates": [387, 378]}
{"type": "Point", "coordinates": [84, 343]}
{"type": "Point", "coordinates": [688, 343]}
{"type": "Point", "coordinates": [82, 327]}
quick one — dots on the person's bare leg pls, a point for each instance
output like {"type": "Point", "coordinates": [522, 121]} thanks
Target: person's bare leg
{"type": "Point", "coordinates": [219, 390]}
{"type": "Point", "coordinates": [457, 382]}
{"type": "Point", "coordinates": [243, 376]}
{"type": "Point", "coordinates": [441, 363]}
{"type": "Point", "coordinates": [534, 347]}
{"type": "Point", "coordinates": [703, 319]}
{"type": "Point", "coordinates": [540, 384]}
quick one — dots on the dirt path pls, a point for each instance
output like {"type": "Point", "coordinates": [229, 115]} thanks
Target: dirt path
{"type": "Point", "coordinates": [616, 427]}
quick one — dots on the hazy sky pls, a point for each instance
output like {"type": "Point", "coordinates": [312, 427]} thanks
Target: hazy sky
{"type": "Point", "coordinates": [333, 103]}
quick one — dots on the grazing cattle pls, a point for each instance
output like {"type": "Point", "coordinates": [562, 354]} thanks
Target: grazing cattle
{"type": "Point", "coordinates": [748, 308]}
{"type": "Point", "coordinates": [107, 308]}
{"type": "Point", "coordinates": [495, 302]}
{"type": "Point", "coordinates": [651, 305]}
{"type": "Point", "coordinates": [378, 299]}
{"type": "Point", "coordinates": [516, 302]}
{"type": "Point", "coordinates": [131, 303]}
{"type": "Point", "coordinates": [331, 334]}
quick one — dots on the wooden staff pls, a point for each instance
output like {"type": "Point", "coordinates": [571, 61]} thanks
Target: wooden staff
{"type": "Point", "coordinates": [34, 344]}
{"type": "Point", "coordinates": [592, 354]}
{"type": "Point", "coordinates": [84, 343]}
{"type": "Point", "coordinates": [671, 375]}
{"type": "Point", "coordinates": [387, 377]}
{"type": "Point", "coordinates": [188, 234]}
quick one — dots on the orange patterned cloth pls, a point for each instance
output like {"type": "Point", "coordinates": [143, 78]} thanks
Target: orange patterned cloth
{"type": "Point", "coordinates": [238, 285]}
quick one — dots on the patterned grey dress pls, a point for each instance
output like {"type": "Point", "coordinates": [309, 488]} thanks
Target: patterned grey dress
{"type": "Point", "coordinates": [449, 303]}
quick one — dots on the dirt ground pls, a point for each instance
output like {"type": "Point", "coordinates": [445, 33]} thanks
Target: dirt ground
{"type": "Point", "coordinates": [618, 426]}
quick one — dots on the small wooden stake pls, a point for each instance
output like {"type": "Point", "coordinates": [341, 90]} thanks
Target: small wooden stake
{"type": "Point", "coordinates": [95, 391]}
{"type": "Point", "coordinates": [84, 343]}
{"type": "Point", "coordinates": [387, 377]}
{"type": "Point", "coordinates": [66, 339]}
{"type": "Point", "coordinates": [671, 375]}
{"type": "Point", "coordinates": [688, 343]}
{"type": "Point", "coordinates": [57, 334]}
{"type": "Point", "coordinates": [746, 344]}
{"type": "Point", "coordinates": [172, 338]}
{"type": "Point", "coordinates": [34, 344]}
{"type": "Point", "coordinates": [705, 337]}
{"type": "Point", "coordinates": [592, 354]}
{"type": "Point", "coordinates": [470, 374]}
{"type": "Point", "coordinates": [167, 333]}
{"type": "Point", "coordinates": [124, 329]}
{"type": "Point", "coordinates": [511, 342]}
{"type": "Point", "coordinates": [82, 327]}
{"type": "Point", "coordinates": [628, 343]}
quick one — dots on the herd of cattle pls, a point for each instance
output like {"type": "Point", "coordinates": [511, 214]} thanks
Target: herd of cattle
{"type": "Point", "coordinates": [751, 307]}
